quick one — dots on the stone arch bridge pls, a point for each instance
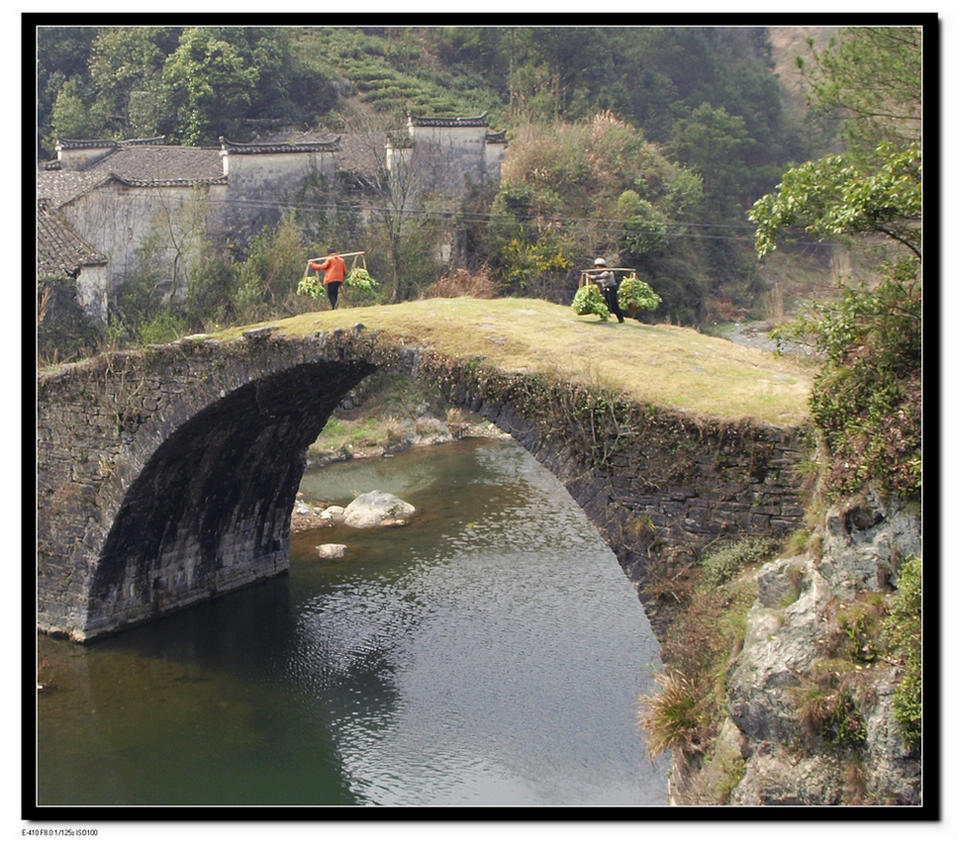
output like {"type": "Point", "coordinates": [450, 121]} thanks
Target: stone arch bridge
{"type": "Point", "coordinates": [168, 475]}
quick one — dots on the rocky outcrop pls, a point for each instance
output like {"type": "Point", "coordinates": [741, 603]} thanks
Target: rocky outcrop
{"type": "Point", "coordinates": [807, 727]}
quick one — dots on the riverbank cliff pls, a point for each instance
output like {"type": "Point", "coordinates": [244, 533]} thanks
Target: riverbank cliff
{"type": "Point", "coordinates": [815, 699]}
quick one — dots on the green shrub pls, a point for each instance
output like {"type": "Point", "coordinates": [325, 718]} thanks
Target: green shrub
{"type": "Point", "coordinates": [832, 715]}
{"type": "Point", "coordinates": [867, 399]}
{"type": "Point", "coordinates": [162, 328]}
{"type": "Point", "coordinates": [903, 637]}
{"type": "Point", "coordinates": [729, 559]}
{"type": "Point", "coordinates": [861, 623]}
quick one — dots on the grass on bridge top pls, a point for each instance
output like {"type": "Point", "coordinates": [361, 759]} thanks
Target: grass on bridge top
{"type": "Point", "coordinates": [668, 366]}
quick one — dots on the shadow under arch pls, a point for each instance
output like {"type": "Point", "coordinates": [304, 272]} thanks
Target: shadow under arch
{"type": "Point", "coordinates": [210, 509]}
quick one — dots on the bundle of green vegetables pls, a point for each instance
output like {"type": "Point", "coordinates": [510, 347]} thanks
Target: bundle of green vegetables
{"type": "Point", "coordinates": [589, 300]}
{"type": "Point", "coordinates": [311, 286]}
{"type": "Point", "coordinates": [635, 296]}
{"type": "Point", "coordinates": [361, 280]}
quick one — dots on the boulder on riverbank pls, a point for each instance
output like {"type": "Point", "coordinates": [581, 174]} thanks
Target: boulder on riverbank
{"type": "Point", "coordinates": [377, 508]}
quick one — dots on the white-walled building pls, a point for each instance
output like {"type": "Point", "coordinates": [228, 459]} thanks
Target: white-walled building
{"type": "Point", "coordinates": [116, 194]}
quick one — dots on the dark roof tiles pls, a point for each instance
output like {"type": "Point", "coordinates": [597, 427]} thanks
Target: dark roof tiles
{"type": "Point", "coordinates": [236, 148]}
{"type": "Point", "coordinates": [479, 120]}
{"type": "Point", "coordinates": [61, 252]}
{"type": "Point", "coordinates": [62, 186]}
{"type": "Point", "coordinates": [147, 164]}
{"type": "Point", "coordinates": [137, 164]}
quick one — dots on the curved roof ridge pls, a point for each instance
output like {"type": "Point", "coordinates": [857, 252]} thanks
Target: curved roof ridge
{"type": "Point", "coordinates": [162, 182]}
{"type": "Point", "coordinates": [85, 143]}
{"type": "Point", "coordinates": [440, 120]}
{"type": "Point", "coordinates": [242, 148]}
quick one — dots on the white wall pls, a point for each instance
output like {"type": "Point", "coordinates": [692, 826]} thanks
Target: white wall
{"type": "Point", "coordinates": [115, 219]}
{"type": "Point", "coordinates": [92, 287]}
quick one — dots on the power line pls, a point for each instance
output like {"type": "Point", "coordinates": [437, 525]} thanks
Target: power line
{"type": "Point", "coordinates": [460, 217]}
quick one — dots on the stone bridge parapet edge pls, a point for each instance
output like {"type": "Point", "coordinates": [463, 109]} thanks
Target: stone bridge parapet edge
{"type": "Point", "coordinates": [658, 484]}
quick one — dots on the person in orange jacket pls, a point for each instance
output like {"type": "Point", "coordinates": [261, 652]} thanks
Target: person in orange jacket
{"type": "Point", "coordinates": [334, 272]}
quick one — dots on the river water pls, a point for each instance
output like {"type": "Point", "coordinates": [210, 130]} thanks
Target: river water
{"type": "Point", "coordinates": [491, 652]}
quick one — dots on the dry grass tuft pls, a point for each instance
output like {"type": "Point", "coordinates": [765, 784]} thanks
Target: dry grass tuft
{"type": "Point", "coordinates": [671, 716]}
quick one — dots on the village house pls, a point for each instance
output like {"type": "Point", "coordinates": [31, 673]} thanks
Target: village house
{"type": "Point", "coordinates": [66, 261]}
{"type": "Point", "coordinates": [113, 195]}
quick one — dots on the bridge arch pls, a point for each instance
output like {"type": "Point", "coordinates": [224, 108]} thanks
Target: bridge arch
{"type": "Point", "coordinates": [211, 507]}
{"type": "Point", "coordinates": [168, 475]}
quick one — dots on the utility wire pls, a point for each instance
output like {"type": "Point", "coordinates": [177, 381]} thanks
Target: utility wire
{"type": "Point", "coordinates": [624, 227]}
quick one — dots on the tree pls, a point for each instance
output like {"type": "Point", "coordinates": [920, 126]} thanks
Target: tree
{"type": "Point", "coordinates": [831, 197]}
{"type": "Point", "coordinates": [593, 187]}
{"type": "Point", "coordinates": [645, 224]}
{"type": "Point", "coordinates": [265, 278]}
{"type": "Point", "coordinates": [866, 399]}
{"type": "Point", "coordinates": [125, 67]}
{"type": "Point", "coordinates": [398, 179]}
{"type": "Point", "coordinates": [713, 143]}
{"type": "Point", "coordinates": [871, 77]}
{"type": "Point", "coordinates": [211, 85]}
{"type": "Point", "coordinates": [62, 53]}
{"type": "Point", "coordinates": [71, 116]}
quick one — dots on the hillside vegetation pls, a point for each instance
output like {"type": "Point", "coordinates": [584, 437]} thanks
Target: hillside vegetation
{"type": "Point", "coordinates": [646, 145]}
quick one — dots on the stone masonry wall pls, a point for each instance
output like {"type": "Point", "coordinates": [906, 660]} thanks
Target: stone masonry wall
{"type": "Point", "coordinates": [658, 484]}
{"type": "Point", "coordinates": [168, 475]}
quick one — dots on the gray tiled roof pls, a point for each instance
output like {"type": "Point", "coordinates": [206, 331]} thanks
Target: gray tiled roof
{"type": "Point", "coordinates": [143, 164]}
{"type": "Point", "coordinates": [136, 162]}
{"type": "Point", "coordinates": [236, 148]}
{"type": "Point", "coordinates": [62, 186]}
{"type": "Point", "coordinates": [61, 252]}
{"type": "Point", "coordinates": [479, 120]}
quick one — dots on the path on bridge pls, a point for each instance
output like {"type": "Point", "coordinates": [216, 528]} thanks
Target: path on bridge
{"type": "Point", "coordinates": [669, 366]}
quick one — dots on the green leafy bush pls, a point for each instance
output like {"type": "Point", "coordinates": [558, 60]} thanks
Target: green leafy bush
{"type": "Point", "coordinates": [903, 630]}
{"type": "Point", "coordinates": [589, 300]}
{"type": "Point", "coordinates": [635, 295]}
{"type": "Point", "coordinates": [867, 398]}
{"type": "Point", "coordinates": [162, 328]}
{"type": "Point", "coordinates": [728, 560]}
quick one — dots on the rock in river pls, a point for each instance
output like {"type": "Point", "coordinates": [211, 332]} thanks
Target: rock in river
{"type": "Point", "coordinates": [331, 550]}
{"type": "Point", "coordinates": [378, 509]}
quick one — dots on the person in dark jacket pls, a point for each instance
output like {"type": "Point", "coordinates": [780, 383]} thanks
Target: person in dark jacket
{"type": "Point", "coordinates": [607, 281]}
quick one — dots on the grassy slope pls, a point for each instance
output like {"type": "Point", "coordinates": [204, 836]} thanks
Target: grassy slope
{"type": "Point", "coordinates": [668, 366]}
